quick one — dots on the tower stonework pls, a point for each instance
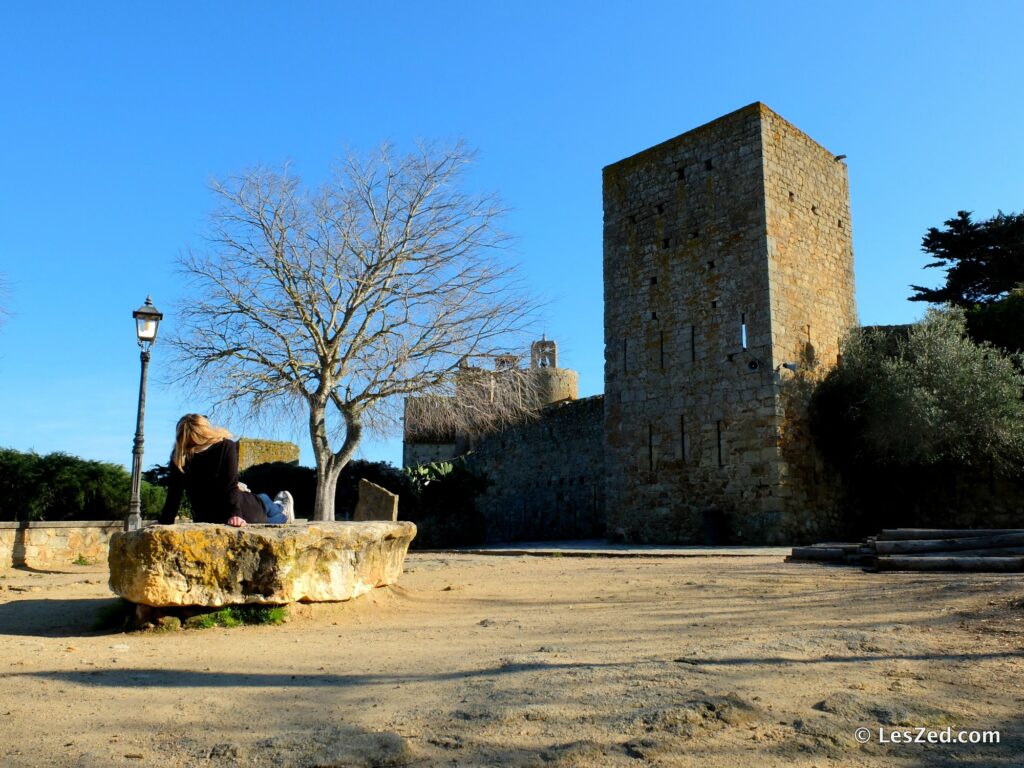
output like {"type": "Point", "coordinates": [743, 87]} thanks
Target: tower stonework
{"type": "Point", "coordinates": [728, 283]}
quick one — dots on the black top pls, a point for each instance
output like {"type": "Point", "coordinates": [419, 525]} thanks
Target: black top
{"type": "Point", "coordinates": [211, 481]}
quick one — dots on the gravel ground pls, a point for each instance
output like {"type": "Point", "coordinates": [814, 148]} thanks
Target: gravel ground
{"type": "Point", "coordinates": [478, 660]}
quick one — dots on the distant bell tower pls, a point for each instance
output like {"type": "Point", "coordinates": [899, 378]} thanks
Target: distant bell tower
{"type": "Point", "coordinates": [728, 283]}
{"type": "Point", "coordinates": [553, 383]}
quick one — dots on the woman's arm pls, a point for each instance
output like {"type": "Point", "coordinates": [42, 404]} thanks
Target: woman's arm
{"type": "Point", "coordinates": [175, 487]}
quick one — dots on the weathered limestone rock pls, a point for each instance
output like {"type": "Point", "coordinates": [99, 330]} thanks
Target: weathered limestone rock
{"type": "Point", "coordinates": [215, 565]}
{"type": "Point", "coordinates": [375, 503]}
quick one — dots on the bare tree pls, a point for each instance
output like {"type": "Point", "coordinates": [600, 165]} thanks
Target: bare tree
{"type": "Point", "coordinates": [348, 298]}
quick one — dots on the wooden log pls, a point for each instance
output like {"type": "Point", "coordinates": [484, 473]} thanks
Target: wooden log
{"type": "Point", "coordinates": [994, 552]}
{"type": "Point", "coordinates": [828, 554]}
{"type": "Point", "coordinates": [976, 564]}
{"type": "Point", "coordinates": [949, 544]}
{"type": "Point", "coordinates": [913, 534]}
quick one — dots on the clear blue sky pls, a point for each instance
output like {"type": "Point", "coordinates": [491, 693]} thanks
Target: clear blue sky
{"type": "Point", "coordinates": [114, 117]}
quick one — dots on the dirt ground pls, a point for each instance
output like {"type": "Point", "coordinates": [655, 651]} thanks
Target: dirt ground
{"type": "Point", "coordinates": [530, 661]}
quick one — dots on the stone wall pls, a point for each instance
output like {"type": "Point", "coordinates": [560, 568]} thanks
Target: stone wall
{"type": "Point", "coordinates": [252, 451]}
{"type": "Point", "coordinates": [546, 475]}
{"type": "Point", "coordinates": [49, 545]}
{"type": "Point", "coordinates": [718, 282]}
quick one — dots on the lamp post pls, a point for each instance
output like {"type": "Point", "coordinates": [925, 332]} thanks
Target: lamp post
{"type": "Point", "coordinates": [147, 318]}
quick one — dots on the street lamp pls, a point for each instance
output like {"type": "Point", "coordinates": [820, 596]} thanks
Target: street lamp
{"type": "Point", "coordinates": [147, 318]}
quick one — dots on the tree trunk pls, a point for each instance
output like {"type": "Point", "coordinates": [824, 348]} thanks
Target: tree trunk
{"type": "Point", "coordinates": [323, 503]}
{"type": "Point", "coordinates": [328, 464]}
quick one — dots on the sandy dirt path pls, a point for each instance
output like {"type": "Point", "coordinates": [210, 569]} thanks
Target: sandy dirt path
{"type": "Point", "coordinates": [529, 661]}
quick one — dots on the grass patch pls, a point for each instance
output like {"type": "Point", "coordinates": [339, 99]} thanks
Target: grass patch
{"type": "Point", "coordinates": [238, 615]}
{"type": "Point", "coordinates": [83, 560]}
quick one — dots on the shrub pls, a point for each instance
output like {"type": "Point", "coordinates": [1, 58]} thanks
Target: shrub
{"type": "Point", "coordinates": [906, 414]}
{"type": "Point", "coordinates": [446, 513]}
{"type": "Point", "coordinates": [58, 486]}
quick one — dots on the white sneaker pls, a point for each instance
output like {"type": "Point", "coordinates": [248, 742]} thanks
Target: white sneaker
{"type": "Point", "coordinates": [287, 505]}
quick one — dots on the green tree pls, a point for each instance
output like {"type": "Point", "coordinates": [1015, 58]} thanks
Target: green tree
{"type": "Point", "coordinates": [58, 486]}
{"type": "Point", "coordinates": [984, 260]}
{"type": "Point", "coordinates": [929, 397]}
{"type": "Point", "coordinates": [922, 423]}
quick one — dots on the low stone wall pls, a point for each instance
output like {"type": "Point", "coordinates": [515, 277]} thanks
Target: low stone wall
{"type": "Point", "coordinates": [252, 451]}
{"type": "Point", "coordinates": [49, 545]}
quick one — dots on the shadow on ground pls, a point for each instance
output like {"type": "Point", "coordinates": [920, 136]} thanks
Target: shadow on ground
{"type": "Point", "coordinates": [54, 618]}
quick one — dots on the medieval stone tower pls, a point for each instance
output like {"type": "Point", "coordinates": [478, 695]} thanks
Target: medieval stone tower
{"type": "Point", "coordinates": [728, 283]}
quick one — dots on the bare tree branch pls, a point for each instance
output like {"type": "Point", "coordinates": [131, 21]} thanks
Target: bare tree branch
{"type": "Point", "coordinates": [347, 298]}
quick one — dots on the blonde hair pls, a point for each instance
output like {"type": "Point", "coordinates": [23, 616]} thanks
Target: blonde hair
{"type": "Point", "coordinates": [194, 433]}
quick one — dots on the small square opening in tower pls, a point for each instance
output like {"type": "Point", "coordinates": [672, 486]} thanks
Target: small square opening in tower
{"type": "Point", "coordinates": [711, 265]}
{"type": "Point", "coordinates": [661, 208]}
{"type": "Point", "coordinates": [708, 165]}
{"type": "Point", "coordinates": [666, 242]}
{"type": "Point", "coordinates": [792, 197]}
{"type": "Point", "coordinates": [654, 279]}
{"type": "Point", "coordinates": [680, 173]}
{"type": "Point", "coordinates": [694, 234]}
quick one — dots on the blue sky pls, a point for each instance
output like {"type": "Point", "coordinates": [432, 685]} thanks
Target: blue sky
{"type": "Point", "coordinates": [114, 117]}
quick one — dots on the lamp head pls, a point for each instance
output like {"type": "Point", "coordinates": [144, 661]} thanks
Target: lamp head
{"type": "Point", "coordinates": [147, 320]}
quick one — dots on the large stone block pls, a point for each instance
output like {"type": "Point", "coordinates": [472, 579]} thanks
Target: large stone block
{"type": "Point", "coordinates": [216, 565]}
{"type": "Point", "coordinates": [375, 503]}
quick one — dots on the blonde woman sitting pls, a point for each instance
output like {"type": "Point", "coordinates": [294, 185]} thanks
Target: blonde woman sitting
{"type": "Point", "coordinates": [204, 464]}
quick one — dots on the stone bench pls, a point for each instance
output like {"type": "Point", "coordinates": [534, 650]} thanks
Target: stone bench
{"type": "Point", "coordinates": [197, 564]}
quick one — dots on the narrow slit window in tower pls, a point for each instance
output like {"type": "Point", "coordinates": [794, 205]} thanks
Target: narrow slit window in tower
{"type": "Point", "coordinates": [693, 343]}
{"type": "Point", "coordinates": [665, 242]}
{"type": "Point", "coordinates": [661, 348]}
{"type": "Point", "coordinates": [625, 350]}
{"type": "Point", "coordinates": [682, 438]}
{"type": "Point", "coordinates": [650, 447]}
{"type": "Point", "coordinates": [743, 331]}
{"type": "Point", "coordinates": [718, 431]}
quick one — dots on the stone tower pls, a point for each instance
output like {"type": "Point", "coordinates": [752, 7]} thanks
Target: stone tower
{"type": "Point", "coordinates": [728, 282]}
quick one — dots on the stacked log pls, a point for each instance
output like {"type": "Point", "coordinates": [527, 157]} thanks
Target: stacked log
{"type": "Point", "coordinates": [926, 549]}
{"type": "Point", "coordinates": [993, 550]}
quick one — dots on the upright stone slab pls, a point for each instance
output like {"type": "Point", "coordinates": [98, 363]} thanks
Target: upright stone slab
{"type": "Point", "coordinates": [214, 565]}
{"type": "Point", "coordinates": [375, 503]}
